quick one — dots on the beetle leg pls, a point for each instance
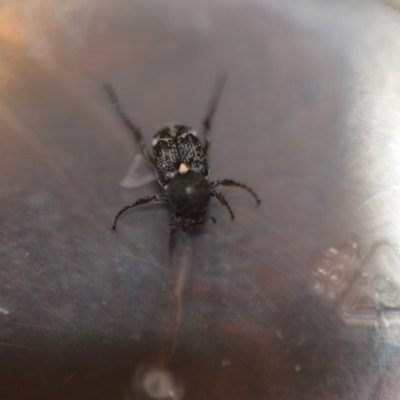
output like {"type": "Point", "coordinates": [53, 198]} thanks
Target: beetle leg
{"type": "Point", "coordinates": [143, 200]}
{"type": "Point", "coordinates": [229, 182]}
{"type": "Point", "coordinates": [127, 121]}
{"type": "Point", "coordinates": [221, 198]}
{"type": "Point", "coordinates": [212, 106]}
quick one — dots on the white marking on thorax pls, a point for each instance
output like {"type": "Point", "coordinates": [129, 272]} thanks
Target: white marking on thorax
{"type": "Point", "coordinates": [183, 168]}
{"type": "Point", "coordinates": [172, 130]}
{"type": "Point", "coordinates": [158, 138]}
{"type": "Point", "coordinates": [190, 132]}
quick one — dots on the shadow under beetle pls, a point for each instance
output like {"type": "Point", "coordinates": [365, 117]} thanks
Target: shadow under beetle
{"type": "Point", "coordinates": [181, 164]}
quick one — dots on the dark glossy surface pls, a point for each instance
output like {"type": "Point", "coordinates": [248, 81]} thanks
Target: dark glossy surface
{"type": "Point", "coordinates": [296, 299]}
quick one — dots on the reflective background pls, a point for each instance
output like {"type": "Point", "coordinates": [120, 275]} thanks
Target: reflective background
{"type": "Point", "coordinates": [296, 299]}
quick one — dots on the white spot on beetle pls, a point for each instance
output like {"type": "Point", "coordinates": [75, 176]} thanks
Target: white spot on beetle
{"type": "Point", "coordinates": [158, 139]}
{"type": "Point", "coordinates": [190, 132]}
{"type": "Point", "coordinates": [172, 130]}
{"type": "Point", "coordinates": [183, 168]}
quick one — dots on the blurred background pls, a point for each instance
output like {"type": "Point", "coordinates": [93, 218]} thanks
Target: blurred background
{"type": "Point", "coordinates": [296, 299]}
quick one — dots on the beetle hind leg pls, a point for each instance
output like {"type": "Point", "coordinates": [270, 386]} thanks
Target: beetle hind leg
{"type": "Point", "coordinates": [221, 198]}
{"type": "Point", "coordinates": [143, 200]}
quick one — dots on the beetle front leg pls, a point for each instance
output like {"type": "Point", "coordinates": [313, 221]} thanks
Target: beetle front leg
{"type": "Point", "coordinates": [212, 106]}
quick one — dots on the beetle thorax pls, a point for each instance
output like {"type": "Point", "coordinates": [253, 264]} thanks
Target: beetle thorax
{"type": "Point", "coordinates": [189, 194]}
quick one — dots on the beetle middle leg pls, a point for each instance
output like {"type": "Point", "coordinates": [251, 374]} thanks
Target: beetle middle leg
{"type": "Point", "coordinates": [127, 121]}
{"type": "Point", "coordinates": [143, 200]}
{"type": "Point", "coordinates": [230, 182]}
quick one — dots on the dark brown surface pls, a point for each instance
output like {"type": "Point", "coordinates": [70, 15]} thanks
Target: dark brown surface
{"type": "Point", "coordinates": [297, 299]}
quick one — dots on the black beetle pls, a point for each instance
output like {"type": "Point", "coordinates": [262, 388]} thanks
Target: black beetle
{"type": "Point", "coordinates": [181, 164]}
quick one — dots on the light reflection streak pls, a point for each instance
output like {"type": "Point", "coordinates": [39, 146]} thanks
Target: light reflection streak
{"type": "Point", "coordinates": [375, 164]}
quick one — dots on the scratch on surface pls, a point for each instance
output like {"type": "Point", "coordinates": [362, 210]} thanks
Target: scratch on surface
{"type": "Point", "coordinates": [177, 294]}
{"type": "Point", "coordinates": [4, 311]}
{"type": "Point", "coordinates": [68, 378]}
{"type": "Point", "coordinates": [22, 288]}
{"type": "Point", "coordinates": [39, 326]}
{"type": "Point", "coordinates": [17, 345]}
{"type": "Point", "coordinates": [49, 159]}
{"type": "Point", "coordinates": [242, 293]}
{"type": "Point", "coordinates": [255, 255]}
{"type": "Point", "coordinates": [45, 154]}
{"type": "Point", "coordinates": [36, 273]}
{"type": "Point", "coordinates": [371, 198]}
{"type": "Point", "coordinates": [89, 243]}
{"type": "Point", "coordinates": [145, 260]}
{"type": "Point", "coordinates": [96, 332]}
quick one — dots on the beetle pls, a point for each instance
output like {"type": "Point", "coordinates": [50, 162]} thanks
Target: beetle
{"type": "Point", "coordinates": [181, 164]}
